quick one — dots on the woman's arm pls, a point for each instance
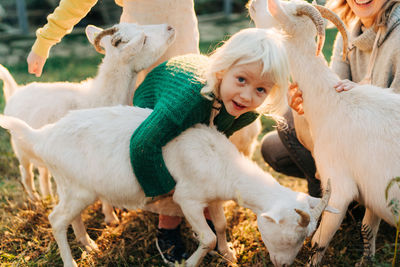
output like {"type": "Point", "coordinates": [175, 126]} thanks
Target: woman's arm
{"type": "Point", "coordinates": [60, 22]}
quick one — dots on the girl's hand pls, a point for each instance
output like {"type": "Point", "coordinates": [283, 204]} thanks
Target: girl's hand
{"type": "Point", "coordinates": [35, 63]}
{"type": "Point", "coordinates": [295, 98]}
{"type": "Point", "coordinates": [345, 85]}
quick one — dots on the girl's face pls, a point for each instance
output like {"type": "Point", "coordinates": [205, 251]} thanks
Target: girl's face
{"type": "Point", "coordinates": [243, 88]}
{"type": "Point", "coordinates": [366, 10]}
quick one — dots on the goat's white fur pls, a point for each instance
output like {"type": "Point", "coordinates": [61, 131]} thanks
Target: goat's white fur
{"type": "Point", "coordinates": [207, 167]}
{"type": "Point", "coordinates": [42, 103]}
{"type": "Point", "coordinates": [354, 134]}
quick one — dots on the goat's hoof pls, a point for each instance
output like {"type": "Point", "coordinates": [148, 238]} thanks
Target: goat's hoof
{"type": "Point", "coordinates": [34, 197]}
{"type": "Point", "coordinates": [91, 246]}
{"type": "Point", "coordinates": [71, 264]}
{"type": "Point", "coordinates": [111, 219]}
{"type": "Point", "coordinates": [229, 254]}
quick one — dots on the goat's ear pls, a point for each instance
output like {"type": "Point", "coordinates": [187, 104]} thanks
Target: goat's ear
{"type": "Point", "coordinates": [312, 201]}
{"type": "Point", "coordinates": [135, 45]}
{"type": "Point", "coordinates": [271, 216]}
{"type": "Point", "coordinates": [276, 10]}
{"type": "Point", "coordinates": [91, 32]}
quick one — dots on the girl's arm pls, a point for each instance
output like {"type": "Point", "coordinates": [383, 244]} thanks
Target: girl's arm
{"type": "Point", "coordinates": [59, 23]}
{"type": "Point", "coordinates": [146, 153]}
{"type": "Point", "coordinates": [166, 122]}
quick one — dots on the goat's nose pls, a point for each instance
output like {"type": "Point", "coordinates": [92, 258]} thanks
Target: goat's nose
{"type": "Point", "coordinates": [169, 28]}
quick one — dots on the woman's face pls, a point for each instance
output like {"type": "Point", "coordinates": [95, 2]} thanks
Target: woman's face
{"type": "Point", "coordinates": [243, 88]}
{"type": "Point", "coordinates": [366, 10]}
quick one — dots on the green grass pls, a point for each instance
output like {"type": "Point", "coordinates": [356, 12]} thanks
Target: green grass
{"type": "Point", "coordinates": [25, 233]}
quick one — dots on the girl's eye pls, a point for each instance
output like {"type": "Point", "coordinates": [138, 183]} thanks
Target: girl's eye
{"type": "Point", "coordinates": [261, 90]}
{"type": "Point", "coordinates": [241, 79]}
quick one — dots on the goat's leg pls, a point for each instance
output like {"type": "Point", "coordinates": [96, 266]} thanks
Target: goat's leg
{"type": "Point", "coordinates": [82, 236]}
{"type": "Point", "coordinates": [193, 212]}
{"type": "Point", "coordinates": [63, 214]}
{"type": "Point", "coordinates": [329, 224]}
{"type": "Point", "coordinates": [45, 183]}
{"type": "Point", "coordinates": [218, 218]}
{"type": "Point", "coordinates": [25, 169]}
{"type": "Point", "coordinates": [369, 230]}
{"type": "Point", "coordinates": [110, 217]}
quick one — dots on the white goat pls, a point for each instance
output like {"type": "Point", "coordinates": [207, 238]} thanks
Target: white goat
{"type": "Point", "coordinates": [129, 48]}
{"type": "Point", "coordinates": [174, 12]}
{"type": "Point", "coordinates": [207, 172]}
{"type": "Point", "coordinates": [355, 133]}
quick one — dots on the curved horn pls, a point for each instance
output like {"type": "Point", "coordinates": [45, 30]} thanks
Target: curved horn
{"type": "Point", "coordinates": [332, 17]}
{"type": "Point", "coordinates": [317, 211]}
{"type": "Point", "coordinates": [96, 43]}
{"type": "Point", "coordinates": [316, 17]}
{"type": "Point", "coordinates": [304, 218]}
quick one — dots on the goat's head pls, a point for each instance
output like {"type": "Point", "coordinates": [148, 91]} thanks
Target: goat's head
{"type": "Point", "coordinates": [284, 228]}
{"type": "Point", "coordinates": [141, 45]}
{"type": "Point", "coordinates": [297, 18]}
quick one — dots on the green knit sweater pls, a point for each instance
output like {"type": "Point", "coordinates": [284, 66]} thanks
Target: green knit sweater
{"type": "Point", "coordinates": [172, 90]}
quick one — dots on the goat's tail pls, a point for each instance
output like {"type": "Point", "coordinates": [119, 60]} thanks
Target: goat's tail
{"type": "Point", "coordinates": [10, 85]}
{"type": "Point", "coordinates": [20, 130]}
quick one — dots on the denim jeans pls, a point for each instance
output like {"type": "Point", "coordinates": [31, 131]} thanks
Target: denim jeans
{"type": "Point", "coordinates": [284, 153]}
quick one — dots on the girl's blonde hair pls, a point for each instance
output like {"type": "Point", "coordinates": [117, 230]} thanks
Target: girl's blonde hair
{"type": "Point", "coordinates": [248, 46]}
{"type": "Point", "coordinates": [342, 8]}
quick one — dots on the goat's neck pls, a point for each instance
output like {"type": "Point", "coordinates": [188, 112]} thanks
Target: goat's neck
{"type": "Point", "coordinates": [315, 79]}
{"type": "Point", "coordinates": [254, 189]}
{"type": "Point", "coordinates": [114, 84]}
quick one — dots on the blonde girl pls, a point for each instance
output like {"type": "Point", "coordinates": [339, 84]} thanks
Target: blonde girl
{"type": "Point", "coordinates": [228, 89]}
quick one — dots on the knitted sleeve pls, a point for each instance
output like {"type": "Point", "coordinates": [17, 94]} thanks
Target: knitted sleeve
{"type": "Point", "coordinates": [60, 23]}
{"type": "Point", "coordinates": [340, 67]}
{"type": "Point", "coordinates": [146, 153]}
{"type": "Point", "coordinates": [164, 123]}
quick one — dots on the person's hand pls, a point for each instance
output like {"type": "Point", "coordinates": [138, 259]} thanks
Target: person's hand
{"type": "Point", "coordinates": [295, 98]}
{"type": "Point", "coordinates": [35, 64]}
{"type": "Point", "coordinates": [344, 85]}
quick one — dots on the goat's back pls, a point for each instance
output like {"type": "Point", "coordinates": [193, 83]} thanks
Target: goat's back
{"type": "Point", "coordinates": [88, 150]}
{"type": "Point", "coordinates": [41, 103]}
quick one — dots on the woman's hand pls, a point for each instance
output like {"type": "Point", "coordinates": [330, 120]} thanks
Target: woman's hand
{"type": "Point", "coordinates": [345, 85]}
{"type": "Point", "coordinates": [295, 98]}
{"type": "Point", "coordinates": [35, 63]}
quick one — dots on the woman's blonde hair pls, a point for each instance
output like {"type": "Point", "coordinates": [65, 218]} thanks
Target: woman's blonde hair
{"type": "Point", "coordinates": [248, 46]}
{"type": "Point", "coordinates": [342, 8]}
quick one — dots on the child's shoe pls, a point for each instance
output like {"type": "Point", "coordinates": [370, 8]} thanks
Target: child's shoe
{"type": "Point", "coordinates": [170, 245]}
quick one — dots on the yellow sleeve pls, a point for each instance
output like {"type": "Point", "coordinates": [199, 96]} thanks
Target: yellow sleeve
{"type": "Point", "coordinates": [60, 23]}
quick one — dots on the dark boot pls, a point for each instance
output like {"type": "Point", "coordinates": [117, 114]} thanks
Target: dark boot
{"type": "Point", "coordinates": [170, 245]}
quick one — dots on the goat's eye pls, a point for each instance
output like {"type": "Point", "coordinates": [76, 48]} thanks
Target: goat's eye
{"type": "Point", "coordinates": [116, 42]}
{"type": "Point", "coordinates": [145, 40]}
